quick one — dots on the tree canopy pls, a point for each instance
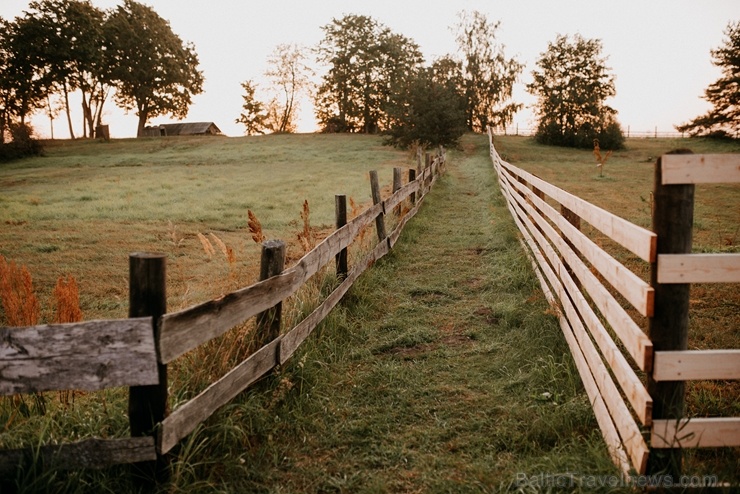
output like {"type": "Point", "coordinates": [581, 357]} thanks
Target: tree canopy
{"type": "Point", "coordinates": [365, 60]}
{"type": "Point", "coordinates": [724, 94]}
{"type": "Point", "coordinates": [572, 84]}
{"type": "Point", "coordinates": [428, 109]}
{"type": "Point", "coordinates": [488, 76]}
{"type": "Point", "coordinates": [153, 71]}
{"type": "Point", "coordinates": [62, 46]}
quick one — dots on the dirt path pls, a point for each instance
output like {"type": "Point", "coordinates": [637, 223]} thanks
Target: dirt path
{"type": "Point", "coordinates": [444, 372]}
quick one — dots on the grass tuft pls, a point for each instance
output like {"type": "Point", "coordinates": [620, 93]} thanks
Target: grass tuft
{"type": "Point", "coordinates": [19, 300]}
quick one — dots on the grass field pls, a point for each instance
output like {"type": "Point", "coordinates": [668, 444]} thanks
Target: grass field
{"type": "Point", "coordinates": [81, 209]}
{"type": "Point", "coordinates": [444, 371]}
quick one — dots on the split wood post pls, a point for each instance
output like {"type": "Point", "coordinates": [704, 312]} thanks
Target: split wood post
{"type": "Point", "coordinates": [147, 405]}
{"type": "Point", "coordinates": [673, 217]}
{"type": "Point", "coordinates": [272, 262]}
{"type": "Point", "coordinates": [340, 208]}
{"type": "Point", "coordinates": [380, 219]}
{"type": "Point", "coordinates": [412, 177]}
{"type": "Point", "coordinates": [397, 182]}
{"type": "Point", "coordinates": [428, 170]}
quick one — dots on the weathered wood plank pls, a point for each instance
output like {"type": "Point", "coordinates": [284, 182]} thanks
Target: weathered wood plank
{"type": "Point", "coordinates": [700, 168]}
{"type": "Point", "coordinates": [290, 341]}
{"type": "Point", "coordinates": [89, 453]}
{"type": "Point", "coordinates": [581, 343]}
{"type": "Point", "coordinates": [90, 355]}
{"type": "Point", "coordinates": [375, 192]}
{"type": "Point", "coordinates": [629, 382]}
{"type": "Point", "coordinates": [638, 292]}
{"type": "Point", "coordinates": [717, 432]}
{"type": "Point", "coordinates": [401, 195]}
{"type": "Point", "coordinates": [688, 365]}
{"type": "Point", "coordinates": [699, 268]}
{"type": "Point", "coordinates": [603, 418]}
{"type": "Point", "coordinates": [185, 330]}
{"type": "Point", "coordinates": [185, 419]}
{"type": "Point", "coordinates": [396, 233]}
{"type": "Point", "coordinates": [636, 343]}
{"type": "Point", "coordinates": [638, 240]}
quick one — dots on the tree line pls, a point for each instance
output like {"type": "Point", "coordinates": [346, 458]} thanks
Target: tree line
{"type": "Point", "coordinates": [374, 80]}
{"type": "Point", "coordinates": [377, 81]}
{"type": "Point", "coordinates": [61, 46]}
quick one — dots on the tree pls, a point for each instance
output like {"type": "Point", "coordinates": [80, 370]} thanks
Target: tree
{"type": "Point", "coordinates": [74, 54]}
{"type": "Point", "coordinates": [254, 115]}
{"type": "Point", "coordinates": [153, 71]}
{"type": "Point", "coordinates": [290, 77]}
{"type": "Point", "coordinates": [25, 79]}
{"type": "Point", "coordinates": [489, 76]}
{"type": "Point", "coordinates": [572, 84]}
{"type": "Point", "coordinates": [428, 109]}
{"type": "Point", "coordinates": [724, 94]}
{"type": "Point", "coordinates": [365, 61]}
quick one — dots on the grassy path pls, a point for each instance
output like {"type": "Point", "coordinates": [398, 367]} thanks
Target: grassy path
{"type": "Point", "coordinates": [443, 372]}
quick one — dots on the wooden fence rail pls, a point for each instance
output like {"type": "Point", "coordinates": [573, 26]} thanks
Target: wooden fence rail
{"type": "Point", "coordinates": [134, 352]}
{"type": "Point", "coordinates": [629, 405]}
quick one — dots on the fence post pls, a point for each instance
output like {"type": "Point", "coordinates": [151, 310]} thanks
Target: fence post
{"type": "Point", "coordinates": [380, 219]}
{"type": "Point", "coordinates": [673, 217]}
{"type": "Point", "coordinates": [340, 208]}
{"type": "Point", "coordinates": [272, 262]}
{"type": "Point", "coordinates": [428, 171]}
{"type": "Point", "coordinates": [147, 405]}
{"type": "Point", "coordinates": [397, 182]}
{"type": "Point", "coordinates": [412, 177]}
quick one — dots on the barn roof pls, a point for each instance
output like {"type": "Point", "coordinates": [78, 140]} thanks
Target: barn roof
{"type": "Point", "coordinates": [191, 128]}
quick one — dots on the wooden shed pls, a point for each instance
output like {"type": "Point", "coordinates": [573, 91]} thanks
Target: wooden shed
{"type": "Point", "coordinates": [183, 129]}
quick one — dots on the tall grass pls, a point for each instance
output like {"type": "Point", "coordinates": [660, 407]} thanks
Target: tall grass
{"type": "Point", "coordinates": [19, 301]}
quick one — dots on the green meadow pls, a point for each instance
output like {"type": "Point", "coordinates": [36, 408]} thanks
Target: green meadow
{"type": "Point", "coordinates": [443, 370]}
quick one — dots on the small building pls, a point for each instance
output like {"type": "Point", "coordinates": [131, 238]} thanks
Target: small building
{"type": "Point", "coordinates": [183, 129]}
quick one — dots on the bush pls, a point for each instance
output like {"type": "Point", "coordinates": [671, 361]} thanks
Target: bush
{"type": "Point", "coordinates": [22, 144]}
{"type": "Point", "coordinates": [610, 135]}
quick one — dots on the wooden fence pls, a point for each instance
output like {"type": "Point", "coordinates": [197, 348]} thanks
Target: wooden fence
{"type": "Point", "coordinates": [634, 380]}
{"type": "Point", "coordinates": [134, 352]}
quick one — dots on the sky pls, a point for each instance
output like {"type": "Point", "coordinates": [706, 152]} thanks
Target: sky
{"type": "Point", "coordinates": [658, 50]}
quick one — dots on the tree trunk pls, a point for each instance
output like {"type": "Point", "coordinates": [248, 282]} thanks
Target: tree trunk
{"type": "Point", "coordinates": [142, 124]}
{"type": "Point", "coordinates": [87, 114]}
{"type": "Point", "coordinates": [66, 109]}
{"type": "Point", "coordinates": [51, 116]}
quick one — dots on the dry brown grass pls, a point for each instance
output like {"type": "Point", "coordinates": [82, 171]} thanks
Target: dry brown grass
{"type": "Point", "coordinates": [207, 246]}
{"type": "Point", "coordinates": [306, 236]}
{"type": "Point", "coordinates": [19, 300]}
{"type": "Point", "coordinates": [600, 159]}
{"type": "Point", "coordinates": [67, 298]}
{"type": "Point", "coordinates": [255, 228]}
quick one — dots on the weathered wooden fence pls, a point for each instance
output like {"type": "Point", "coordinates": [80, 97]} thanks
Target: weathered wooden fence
{"type": "Point", "coordinates": [635, 379]}
{"type": "Point", "coordinates": [135, 352]}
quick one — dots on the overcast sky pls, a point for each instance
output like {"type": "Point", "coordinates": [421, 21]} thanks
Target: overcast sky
{"type": "Point", "coordinates": [657, 49]}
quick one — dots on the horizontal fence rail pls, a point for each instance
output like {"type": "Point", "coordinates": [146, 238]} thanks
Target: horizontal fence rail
{"type": "Point", "coordinates": [134, 352]}
{"type": "Point", "coordinates": [568, 281]}
{"type": "Point", "coordinates": [672, 366]}
{"type": "Point", "coordinates": [580, 280]}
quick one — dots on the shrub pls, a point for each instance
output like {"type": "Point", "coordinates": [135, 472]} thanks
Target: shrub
{"type": "Point", "coordinates": [22, 143]}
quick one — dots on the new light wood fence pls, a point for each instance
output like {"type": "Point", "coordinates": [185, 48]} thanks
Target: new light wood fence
{"type": "Point", "coordinates": [630, 377]}
{"type": "Point", "coordinates": [134, 352]}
